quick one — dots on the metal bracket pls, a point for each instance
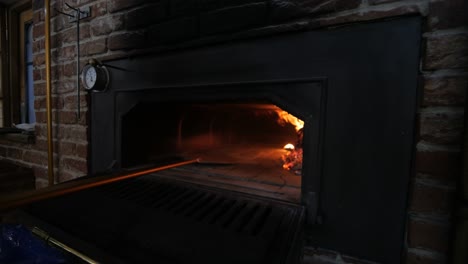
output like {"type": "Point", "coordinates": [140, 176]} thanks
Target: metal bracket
{"type": "Point", "coordinates": [85, 12]}
{"type": "Point", "coordinates": [80, 13]}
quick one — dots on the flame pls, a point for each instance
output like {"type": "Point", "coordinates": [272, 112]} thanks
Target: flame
{"type": "Point", "coordinates": [289, 146]}
{"type": "Point", "coordinates": [285, 117]}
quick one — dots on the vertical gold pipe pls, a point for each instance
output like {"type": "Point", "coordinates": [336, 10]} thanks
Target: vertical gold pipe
{"type": "Point", "coordinates": [50, 144]}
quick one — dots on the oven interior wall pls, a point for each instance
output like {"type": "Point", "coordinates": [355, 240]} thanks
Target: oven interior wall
{"type": "Point", "coordinates": [154, 131]}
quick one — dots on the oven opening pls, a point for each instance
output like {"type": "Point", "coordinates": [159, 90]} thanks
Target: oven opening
{"type": "Point", "coordinates": [253, 147]}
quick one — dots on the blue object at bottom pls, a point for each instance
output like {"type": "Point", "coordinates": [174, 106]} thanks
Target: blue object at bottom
{"type": "Point", "coordinates": [19, 245]}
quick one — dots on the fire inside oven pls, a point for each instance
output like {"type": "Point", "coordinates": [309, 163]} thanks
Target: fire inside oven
{"type": "Point", "coordinates": [254, 145]}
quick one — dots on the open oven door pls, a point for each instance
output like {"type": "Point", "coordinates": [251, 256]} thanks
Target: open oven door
{"type": "Point", "coordinates": [153, 220]}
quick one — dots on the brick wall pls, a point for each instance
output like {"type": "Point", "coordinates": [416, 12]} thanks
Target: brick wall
{"type": "Point", "coordinates": [123, 27]}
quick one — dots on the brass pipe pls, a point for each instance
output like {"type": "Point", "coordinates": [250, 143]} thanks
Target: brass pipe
{"type": "Point", "coordinates": [52, 241]}
{"type": "Point", "coordinates": [75, 186]}
{"type": "Point", "coordinates": [50, 143]}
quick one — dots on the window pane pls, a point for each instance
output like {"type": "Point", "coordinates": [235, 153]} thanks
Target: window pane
{"type": "Point", "coordinates": [29, 76]}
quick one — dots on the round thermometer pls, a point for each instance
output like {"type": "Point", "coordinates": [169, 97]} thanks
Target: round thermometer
{"type": "Point", "coordinates": [95, 77]}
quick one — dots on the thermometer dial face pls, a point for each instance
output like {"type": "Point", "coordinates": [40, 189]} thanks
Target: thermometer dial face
{"type": "Point", "coordinates": [95, 77]}
{"type": "Point", "coordinates": [90, 77]}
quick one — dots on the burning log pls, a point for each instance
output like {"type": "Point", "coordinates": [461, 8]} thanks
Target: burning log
{"type": "Point", "coordinates": [292, 161]}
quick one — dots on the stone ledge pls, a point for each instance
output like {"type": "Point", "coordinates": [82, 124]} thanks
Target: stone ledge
{"type": "Point", "coordinates": [18, 137]}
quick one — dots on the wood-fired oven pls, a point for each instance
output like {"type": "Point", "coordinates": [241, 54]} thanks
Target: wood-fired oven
{"type": "Point", "coordinates": [354, 89]}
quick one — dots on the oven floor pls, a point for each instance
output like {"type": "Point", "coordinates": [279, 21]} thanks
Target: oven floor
{"type": "Point", "coordinates": [250, 169]}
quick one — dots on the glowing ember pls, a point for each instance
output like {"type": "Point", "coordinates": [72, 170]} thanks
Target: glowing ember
{"type": "Point", "coordinates": [293, 161]}
{"type": "Point", "coordinates": [289, 146]}
{"type": "Point", "coordinates": [285, 117]}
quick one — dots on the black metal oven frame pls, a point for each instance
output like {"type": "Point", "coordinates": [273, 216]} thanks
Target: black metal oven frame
{"type": "Point", "coordinates": [363, 81]}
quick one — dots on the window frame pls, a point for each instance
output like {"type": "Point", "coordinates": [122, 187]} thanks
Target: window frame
{"type": "Point", "coordinates": [4, 89]}
{"type": "Point", "coordinates": [10, 62]}
{"type": "Point", "coordinates": [25, 19]}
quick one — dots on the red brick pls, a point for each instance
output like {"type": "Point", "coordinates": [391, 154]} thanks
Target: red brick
{"type": "Point", "coordinates": [73, 133]}
{"type": "Point", "coordinates": [39, 89]}
{"type": "Point", "coordinates": [54, 70]}
{"type": "Point", "coordinates": [38, 4]}
{"type": "Point", "coordinates": [66, 175]}
{"type": "Point", "coordinates": [75, 165]}
{"type": "Point", "coordinates": [62, 87]}
{"type": "Point", "coordinates": [446, 52]}
{"type": "Point", "coordinates": [98, 9]}
{"type": "Point", "coordinates": [70, 102]}
{"type": "Point", "coordinates": [41, 126]}
{"type": "Point", "coordinates": [69, 36]}
{"type": "Point", "coordinates": [442, 127]}
{"type": "Point", "coordinates": [41, 117]}
{"type": "Point", "coordinates": [38, 31]}
{"type": "Point", "coordinates": [82, 150]}
{"type": "Point", "coordinates": [65, 53]}
{"type": "Point", "coordinates": [445, 91]}
{"type": "Point", "coordinates": [39, 59]}
{"type": "Point", "coordinates": [431, 199]}
{"type": "Point", "coordinates": [38, 16]}
{"type": "Point", "coordinates": [439, 164]}
{"type": "Point", "coordinates": [35, 157]}
{"type": "Point", "coordinates": [40, 103]}
{"type": "Point", "coordinates": [54, 42]}
{"type": "Point", "coordinates": [97, 46]}
{"type": "Point", "coordinates": [67, 70]}
{"type": "Point", "coordinates": [66, 148]}
{"type": "Point", "coordinates": [57, 102]}
{"type": "Point", "coordinates": [41, 144]}
{"type": "Point", "coordinates": [67, 117]}
{"type": "Point", "coordinates": [428, 235]}
{"type": "Point", "coordinates": [107, 24]}
{"type": "Point", "coordinates": [14, 153]}
{"type": "Point", "coordinates": [38, 46]}
{"type": "Point", "coordinates": [447, 14]}
{"type": "Point", "coordinates": [60, 23]}
{"type": "Point", "coordinates": [37, 74]}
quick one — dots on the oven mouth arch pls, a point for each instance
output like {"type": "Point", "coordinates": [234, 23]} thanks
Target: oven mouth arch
{"type": "Point", "coordinates": [304, 99]}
